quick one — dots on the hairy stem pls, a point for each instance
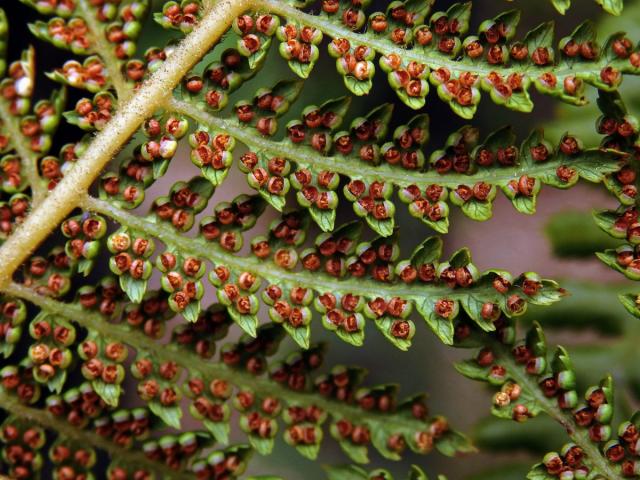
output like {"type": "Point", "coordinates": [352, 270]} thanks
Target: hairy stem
{"type": "Point", "coordinates": [262, 386]}
{"type": "Point", "coordinates": [132, 112]}
{"type": "Point", "coordinates": [50, 422]}
{"type": "Point", "coordinates": [28, 158]}
{"type": "Point", "coordinates": [579, 435]}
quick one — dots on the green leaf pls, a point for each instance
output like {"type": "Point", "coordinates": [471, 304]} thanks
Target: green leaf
{"type": "Point", "coordinates": [248, 323]}
{"type": "Point", "coordinates": [442, 327]}
{"type": "Point", "coordinates": [219, 430]}
{"type": "Point", "coordinates": [256, 60]}
{"type": "Point", "coordinates": [461, 12]}
{"type": "Point", "coordinates": [354, 338]}
{"type": "Point", "coordinates": [263, 446]}
{"type": "Point", "coordinates": [539, 472]}
{"type": "Point", "coordinates": [630, 302]}
{"type": "Point", "coordinates": [56, 383]}
{"type": "Point", "coordinates": [325, 219]}
{"type": "Point", "coordinates": [379, 437]}
{"type": "Point", "coordinates": [608, 257]}
{"type": "Point", "coordinates": [308, 451]}
{"type": "Point", "coordinates": [288, 89]}
{"type": "Point", "coordinates": [416, 103]}
{"type": "Point", "coordinates": [477, 210]}
{"type": "Point", "coordinates": [160, 168]}
{"type": "Point", "coordinates": [473, 307]}
{"type": "Point", "coordinates": [525, 204]}
{"type": "Point", "coordinates": [276, 201]}
{"type": "Point", "coordinates": [85, 266]}
{"type": "Point", "coordinates": [169, 415]}
{"type": "Point", "coordinates": [519, 101]}
{"type": "Point", "coordinates": [416, 473]}
{"type": "Point", "coordinates": [548, 293]}
{"type": "Point", "coordinates": [471, 369]}
{"type": "Point", "coordinates": [203, 188]}
{"type": "Point", "coordinates": [614, 7]}
{"type": "Point", "coordinates": [382, 227]}
{"type": "Point", "coordinates": [429, 251]}
{"type": "Point", "coordinates": [540, 37]}
{"type": "Point", "coordinates": [134, 288]}
{"type": "Point", "coordinates": [606, 220]}
{"type": "Point", "coordinates": [301, 69]}
{"type": "Point", "coordinates": [357, 453]}
{"type": "Point", "coordinates": [215, 176]}
{"type": "Point", "coordinates": [6, 349]}
{"type": "Point", "coordinates": [357, 87]}
{"type": "Point", "coordinates": [384, 324]}
{"type": "Point", "coordinates": [465, 111]}
{"type": "Point", "coordinates": [110, 393]}
{"type": "Point", "coordinates": [299, 334]}
{"type": "Point", "coordinates": [595, 165]}
{"type": "Point", "coordinates": [460, 258]}
{"type": "Point", "coordinates": [191, 312]}
{"type": "Point", "coordinates": [561, 5]}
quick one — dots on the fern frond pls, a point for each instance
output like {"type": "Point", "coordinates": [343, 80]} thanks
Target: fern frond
{"type": "Point", "coordinates": [621, 130]}
{"type": "Point", "coordinates": [84, 28]}
{"type": "Point", "coordinates": [72, 450]}
{"type": "Point", "coordinates": [361, 416]}
{"type": "Point", "coordinates": [528, 383]}
{"type": "Point", "coordinates": [467, 171]}
{"type": "Point", "coordinates": [416, 49]}
{"type": "Point", "coordinates": [433, 210]}
{"type": "Point", "coordinates": [27, 129]}
{"type": "Point", "coordinates": [372, 282]}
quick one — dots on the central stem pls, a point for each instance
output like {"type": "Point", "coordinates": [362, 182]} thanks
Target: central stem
{"type": "Point", "coordinates": [133, 111]}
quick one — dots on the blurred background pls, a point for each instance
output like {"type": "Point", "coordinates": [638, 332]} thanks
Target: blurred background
{"type": "Point", "coordinates": [591, 323]}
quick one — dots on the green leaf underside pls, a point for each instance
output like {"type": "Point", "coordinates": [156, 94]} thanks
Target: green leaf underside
{"type": "Point", "coordinates": [591, 164]}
